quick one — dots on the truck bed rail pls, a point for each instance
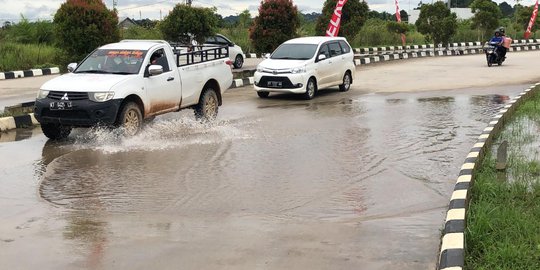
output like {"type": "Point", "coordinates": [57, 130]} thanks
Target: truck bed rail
{"type": "Point", "coordinates": [190, 55]}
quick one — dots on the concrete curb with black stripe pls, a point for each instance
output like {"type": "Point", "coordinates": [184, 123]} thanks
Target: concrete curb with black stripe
{"type": "Point", "coordinates": [28, 73]}
{"type": "Point", "coordinates": [13, 122]}
{"type": "Point", "coordinates": [452, 249]}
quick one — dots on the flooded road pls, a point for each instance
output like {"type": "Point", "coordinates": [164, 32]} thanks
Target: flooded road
{"type": "Point", "coordinates": [351, 180]}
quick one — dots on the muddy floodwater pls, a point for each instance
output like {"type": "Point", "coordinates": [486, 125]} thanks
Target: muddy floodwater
{"type": "Point", "coordinates": [345, 181]}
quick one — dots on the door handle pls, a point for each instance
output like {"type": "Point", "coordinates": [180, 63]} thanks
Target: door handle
{"type": "Point", "coordinates": [170, 79]}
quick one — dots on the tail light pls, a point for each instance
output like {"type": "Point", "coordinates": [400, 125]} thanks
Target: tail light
{"type": "Point", "coordinates": [230, 63]}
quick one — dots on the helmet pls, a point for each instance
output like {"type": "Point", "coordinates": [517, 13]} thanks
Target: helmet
{"type": "Point", "coordinates": [497, 33]}
{"type": "Point", "coordinates": [501, 30]}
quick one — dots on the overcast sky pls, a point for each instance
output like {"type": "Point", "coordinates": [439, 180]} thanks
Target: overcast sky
{"type": "Point", "coordinates": [44, 9]}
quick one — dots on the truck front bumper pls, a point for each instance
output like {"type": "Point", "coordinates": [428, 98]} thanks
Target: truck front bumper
{"type": "Point", "coordinates": [81, 113]}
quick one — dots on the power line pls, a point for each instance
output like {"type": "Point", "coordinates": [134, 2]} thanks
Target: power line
{"type": "Point", "coordinates": [156, 3]}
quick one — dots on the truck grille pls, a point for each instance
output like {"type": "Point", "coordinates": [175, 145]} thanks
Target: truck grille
{"type": "Point", "coordinates": [70, 95]}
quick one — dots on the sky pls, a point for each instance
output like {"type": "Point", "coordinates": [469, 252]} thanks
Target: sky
{"type": "Point", "coordinates": [155, 9]}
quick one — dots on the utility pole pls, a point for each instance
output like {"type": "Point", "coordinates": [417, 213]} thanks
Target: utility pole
{"type": "Point", "coordinates": [114, 4]}
{"type": "Point", "coordinates": [188, 2]}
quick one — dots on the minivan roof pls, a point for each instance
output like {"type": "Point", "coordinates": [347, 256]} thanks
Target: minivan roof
{"type": "Point", "coordinates": [312, 40]}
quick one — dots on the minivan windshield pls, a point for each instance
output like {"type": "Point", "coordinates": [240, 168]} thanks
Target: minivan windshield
{"type": "Point", "coordinates": [295, 51]}
{"type": "Point", "coordinates": [123, 62]}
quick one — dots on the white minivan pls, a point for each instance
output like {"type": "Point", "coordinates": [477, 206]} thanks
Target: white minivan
{"type": "Point", "coordinates": [304, 65]}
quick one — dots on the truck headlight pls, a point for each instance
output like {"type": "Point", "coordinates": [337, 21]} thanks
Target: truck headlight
{"type": "Point", "coordinates": [42, 94]}
{"type": "Point", "coordinates": [259, 69]}
{"type": "Point", "coordinates": [101, 96]}
{"type": "Point", "coordinates": [298, 70]}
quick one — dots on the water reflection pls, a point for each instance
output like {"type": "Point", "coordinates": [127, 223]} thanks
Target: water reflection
{"type": "Point", "coordinates": [18, 134]}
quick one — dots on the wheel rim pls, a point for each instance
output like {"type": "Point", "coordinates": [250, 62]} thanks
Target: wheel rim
{"type": "Point", "coordinates": [311, 88]}
{"type": "Point", "coordinates": [347, 81]}
{"type": "Point", "coordinates": [239, 61]}
{"type": "Point", "coordinates": [210, 106]}
{"type": "Point", "coordinates": [131, 122]}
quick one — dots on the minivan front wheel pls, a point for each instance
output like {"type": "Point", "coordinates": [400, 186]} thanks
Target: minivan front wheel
{"type": "Point", "coordinates": [347, 79]}
{"type": "Point", "coordinates": [311, 88]}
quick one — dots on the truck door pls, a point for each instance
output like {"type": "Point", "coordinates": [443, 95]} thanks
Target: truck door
{"type": "Point", "coordinates": [164, 90]}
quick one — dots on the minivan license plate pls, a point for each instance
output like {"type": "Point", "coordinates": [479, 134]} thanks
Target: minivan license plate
{"type": "Point", "coordinates": [60, 105]}
{"type": "Point", "coordinates": [274, 84]}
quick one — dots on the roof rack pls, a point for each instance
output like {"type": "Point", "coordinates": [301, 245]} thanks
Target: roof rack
{"type": "Point", "coordinates": [145, 40]}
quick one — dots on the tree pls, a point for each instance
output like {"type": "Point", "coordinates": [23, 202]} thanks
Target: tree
{"type": "Point", "coordinates": [244, 19]}
{"type": "Point", "coordinates": [277, 22]}
{"type": "Point", "coordinates": [523, 16]}
{"type": "Point", "coordinates": [486, 16]}
{"type": "Point", "coordinates": [437, 22]}
{"type": "Point", "coordinates": [404, 16]}
{"type": "Point", "coordinates": [397, 27]}
{"type": "Point", "coordinates": [186, 21]}
{"type": "Point", "coordinates": [506, 10]}
{"type": "Point", "coordinates": [354, 15]}
{"type": "Point", "coordinates": [83, 25]}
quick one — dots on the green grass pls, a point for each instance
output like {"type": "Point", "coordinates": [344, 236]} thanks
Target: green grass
{"type": "Point", "coordinates": [15, 56]}
{"type": "Point", "coordinates": [503, 221]}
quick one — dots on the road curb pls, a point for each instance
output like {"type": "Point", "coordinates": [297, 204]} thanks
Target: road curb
{"type": "Point", "coordinates": [28, 73]}
{"type": "Point", "coordinates": [14, 122]}
{"type": "Point", "coordinates": [452, 248]}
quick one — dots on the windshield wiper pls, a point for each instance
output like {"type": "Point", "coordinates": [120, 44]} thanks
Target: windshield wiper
{"type": "Point", "coordinates": [122, 73]}
{"type": "Point", "coordinates": [286, 58]}
{"type": "Point", "coordinates": [92, 71]}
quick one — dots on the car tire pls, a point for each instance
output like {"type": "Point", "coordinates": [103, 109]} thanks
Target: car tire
{"type": "Point", "coordinates": [207, 108]}
{"type": "Point", "coordinates": [311, 88]}
{"type": "Point", "coordinates": [263, 94]}
{"type": "Point", "coordinates": [347, 79]}
{"type": "Point", "coordinates": [130, 119]}
{"type": "Point", "coordinates": [56, 131]}
{"type": "Point", "coordinates": [238, 61]}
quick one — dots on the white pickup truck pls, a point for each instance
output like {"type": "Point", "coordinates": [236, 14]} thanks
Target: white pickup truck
{"type": "Point", "coordinates": [121, 84]}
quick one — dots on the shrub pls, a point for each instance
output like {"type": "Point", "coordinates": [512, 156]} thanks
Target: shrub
{"type": "Point", "coordinates": [14, 56]}
{"type": "Point", "coordinates": [84, 25]}
{"type": "Point", "coordinates": [277, 22]}
{"type": "Point", "coordinates": [185, 22]}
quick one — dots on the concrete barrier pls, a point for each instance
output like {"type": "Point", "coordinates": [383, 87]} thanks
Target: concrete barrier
{"type": "Point", "coordinates": [28, 73]}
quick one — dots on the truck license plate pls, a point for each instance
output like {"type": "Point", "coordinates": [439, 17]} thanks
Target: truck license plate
{"type": "Point", "coordinates": [274, 84]}
{"type": "Point", "coordinates": [60, 105]}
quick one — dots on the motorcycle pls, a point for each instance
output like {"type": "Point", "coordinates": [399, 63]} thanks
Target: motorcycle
{"type": "Point", "coordinates": [492, 56]}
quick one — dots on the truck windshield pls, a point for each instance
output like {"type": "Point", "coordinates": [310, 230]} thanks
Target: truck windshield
{"type": "Point", "coordinates": [294, 51]}
{"type": "Point", "coordinates": [122, 62]}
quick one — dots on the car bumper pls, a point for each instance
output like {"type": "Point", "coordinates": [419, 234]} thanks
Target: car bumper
{"type": "Point", "coordinates": [289, 83]}
{"type": "Point", "coordinates": [83, 113]}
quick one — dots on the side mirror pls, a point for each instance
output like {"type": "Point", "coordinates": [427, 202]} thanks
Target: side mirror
{"type": "Point", "coordinates": [321, 57]}
{"type": "Point", "coordinates": [154, 70]}
{"type": "Point", "coordinates": [71, 67]}
{"type": "Point", "coordinates": [231, 44]}
{"type": "Point", "coordinates": [266, 56]}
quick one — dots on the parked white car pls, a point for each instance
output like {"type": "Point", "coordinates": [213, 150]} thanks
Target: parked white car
{"type": "Point", "coordinates": [121, 84]}
{"type": "Point", "coordinates": [235, 52]}
{"type": "Point", "coordinates": [305, 65]}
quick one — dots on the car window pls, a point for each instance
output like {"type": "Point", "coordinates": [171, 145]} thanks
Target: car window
{"type": "Point", "coordinates": [335, 49]}
{"type": "Point", "coordinates": [221, 40]}
{"type": "Point", "coordinates": [344, 46]}
{"type": "Point", "coordinates": [324, 50]}
{"type": "Point", "coordinates": [211, 40]}
{"type": "Point", "coordinates": [109, 61]}
{"type": "Point", "coordinates": [159, 58]}
{"type": "Point", "coordinates": [294, 51]}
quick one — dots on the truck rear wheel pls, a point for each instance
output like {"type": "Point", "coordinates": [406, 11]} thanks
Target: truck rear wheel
{"type": "Point", "coordinates": [55, 131]}
{"type": "Point", "coordinates": [207, 108]}
{"type": "Point", "coordinates": [130, 119]}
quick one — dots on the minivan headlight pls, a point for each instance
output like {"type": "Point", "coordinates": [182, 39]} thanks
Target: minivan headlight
{"type": "Point", "coordinates": [101, 96]}
{"type": "Point", "coordinates": [42, 94]}
{"type": "Point", "coordinates": [259, 69]}
{"type": "Point", "coordinates": [298, 70]}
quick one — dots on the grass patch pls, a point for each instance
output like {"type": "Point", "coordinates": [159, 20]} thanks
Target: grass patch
{"type": "Point", "coordinates": [16, 56]}
{"type": "Point", "coordinates": [503, 221]}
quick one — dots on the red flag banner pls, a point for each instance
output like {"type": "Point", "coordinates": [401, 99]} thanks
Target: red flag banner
{"type": "Point", "coordinates": [335, 22]}
{"type": "Point", "coordinates": [398, 19]}
{"type": "Point", "coordinates": [531, 22]}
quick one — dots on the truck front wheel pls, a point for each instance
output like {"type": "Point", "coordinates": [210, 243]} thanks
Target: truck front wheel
{"type": "Point", "coordinates": [130, 119]}
{"type": "Point", "coordinates": [55, 131]}
{"type": "Point", "coordinates": [207, 108]}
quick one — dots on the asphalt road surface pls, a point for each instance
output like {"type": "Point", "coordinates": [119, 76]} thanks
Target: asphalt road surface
{"type": "Point", "coordinates": [354, 180]}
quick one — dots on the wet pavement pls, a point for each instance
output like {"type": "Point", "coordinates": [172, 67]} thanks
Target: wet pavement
{"type": "Point", "coordinates": [351, 180]}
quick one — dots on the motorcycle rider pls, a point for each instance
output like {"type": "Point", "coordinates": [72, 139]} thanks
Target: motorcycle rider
{"type": "Point", "coordinates": [497, 40]}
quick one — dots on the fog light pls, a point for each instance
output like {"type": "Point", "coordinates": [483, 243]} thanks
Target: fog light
{"type": "Point", "coordinates": [299, 85]}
